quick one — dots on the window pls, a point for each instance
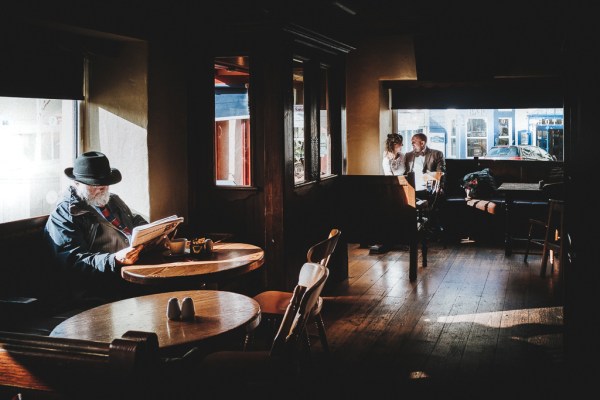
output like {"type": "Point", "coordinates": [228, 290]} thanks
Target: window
{"type": "Point", "coordinates": [232, 122]}
{"type": "Point", "coordinates": [472, 117]}
{"type": "Point", "coordinates": [312, 122]}
{"type": "Point", "coordinates": [504, 132]}
{"type": "Point", "coordinates": [38, 139]}
{"type": "Point", "coordinates": [324, 133]}
{"type": "Point", "coordinates": [49, 115]}
{"type": "Point", "coordinates": [299, 139]}
{"type": "Point", "coordinates": [452, 145]}
{"type": "Point", "coordinates": [468, 133]}
{"type": "Point", "coordinates": [476, 136]}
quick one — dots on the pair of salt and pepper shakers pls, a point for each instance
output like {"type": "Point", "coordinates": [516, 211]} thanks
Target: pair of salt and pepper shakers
{"type": "Point", "coordinates": [185, 312]}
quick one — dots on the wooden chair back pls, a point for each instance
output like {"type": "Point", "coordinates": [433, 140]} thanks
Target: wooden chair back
{"type": "Point", "coordinates": [378, 208]}
{"type": "Point", "coordinates": [289, 337]}
{"type": "Point", "coordinates": [322, 251]}
{"type": "Point", "coordinates": [51, 367]}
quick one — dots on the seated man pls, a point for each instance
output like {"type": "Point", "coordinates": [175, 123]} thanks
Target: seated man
{"type": "Point", "coordinates": [427, 163]}
{"type": "Point", "coordinates": [89, 231]}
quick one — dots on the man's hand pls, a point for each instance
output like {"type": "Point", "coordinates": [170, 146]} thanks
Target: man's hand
{"type": "Point", "coordinates": [128, 255]}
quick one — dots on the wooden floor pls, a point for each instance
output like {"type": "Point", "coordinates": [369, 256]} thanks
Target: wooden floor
{"type": "Point", "coordinates": [475, 324]}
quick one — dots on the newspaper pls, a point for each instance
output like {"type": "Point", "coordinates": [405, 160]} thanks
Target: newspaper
{"type": "Point", "coordinates": [145, 233]}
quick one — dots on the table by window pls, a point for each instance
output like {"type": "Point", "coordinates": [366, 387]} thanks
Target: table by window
{"type": "Point", "coordinates": [512, 191]}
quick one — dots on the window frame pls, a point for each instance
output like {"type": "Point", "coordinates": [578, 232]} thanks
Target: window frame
{"type": "Point", "coordinates": [314, 66]}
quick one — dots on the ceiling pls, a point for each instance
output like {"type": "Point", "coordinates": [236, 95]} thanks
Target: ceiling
{"type": "Point", "coordinates": [461, 38]}
{"type": "Point", "coordinates": [452, 39]}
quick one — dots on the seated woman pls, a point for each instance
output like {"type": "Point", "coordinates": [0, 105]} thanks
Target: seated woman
{"type": "Point", "coordinates": [393, 158]}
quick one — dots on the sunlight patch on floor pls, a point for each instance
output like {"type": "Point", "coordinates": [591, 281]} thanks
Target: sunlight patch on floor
{"type": "Point", "coordinates": [509, 318]}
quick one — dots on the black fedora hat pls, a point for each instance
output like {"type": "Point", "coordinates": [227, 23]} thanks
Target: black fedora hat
{"type": "Point", "coordinates": [93, 168]}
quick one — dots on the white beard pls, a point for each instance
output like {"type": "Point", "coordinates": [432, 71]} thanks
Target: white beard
{"type": "Point", "coordinates": [95, 198]}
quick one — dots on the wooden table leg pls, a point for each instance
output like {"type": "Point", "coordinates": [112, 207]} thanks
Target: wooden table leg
{"type": "Point", "coordinates": [424, 250]}
{"type": "Point", "coordinates": [413, 259]}
{"type": "Point", "coordinates": [507, 235]}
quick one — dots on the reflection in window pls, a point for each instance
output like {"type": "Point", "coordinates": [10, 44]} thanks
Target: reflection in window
{"type": "Point", "coordinates": [232, 122]}
{"type": "Point", "coordinates": [324, 133]}
{"type": "Point", "coordinates": [298, 87]}
{"type": "Point", "coordinates": [37, 138]}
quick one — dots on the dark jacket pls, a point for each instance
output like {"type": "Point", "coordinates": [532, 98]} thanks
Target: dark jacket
{"type": "Point", "coordinates": [434, 161]}
{"type": "Point", "coordinates": [84, 242]}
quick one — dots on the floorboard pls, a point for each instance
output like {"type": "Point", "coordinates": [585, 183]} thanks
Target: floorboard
{"type": "Point", "coordinates": [475, 324]}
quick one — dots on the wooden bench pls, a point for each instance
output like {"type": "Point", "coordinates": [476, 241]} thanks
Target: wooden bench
{"type": "Point", "coordinates": [43, 367]}
{"type": "Point", "coordinates": [33, 294]}
{"type": "Point", "coordinates": [484, 217]}
{"type": "Point", "coordinates": [382, 209]}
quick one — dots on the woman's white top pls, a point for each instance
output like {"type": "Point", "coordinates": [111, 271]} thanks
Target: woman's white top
{"type": "Point", "coordinates": [393, 167]}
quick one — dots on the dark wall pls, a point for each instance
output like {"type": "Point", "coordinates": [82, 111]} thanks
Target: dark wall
{"type": "Point", "coordinates": [581, 150]}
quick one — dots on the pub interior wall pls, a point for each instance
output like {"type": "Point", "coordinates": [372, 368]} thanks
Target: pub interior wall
{"type": "Point", "coordinates": [374, 59]}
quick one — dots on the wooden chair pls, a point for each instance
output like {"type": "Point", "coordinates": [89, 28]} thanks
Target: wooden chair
{"type": "Point", "coordinates": [243, 372]}
{"type": "Point", "coordinates": [552, 244]}
{"type": "Point", "coordinates": [273, 303]}
{"type": "Point", "coordinates": [433, 208]}
{"type": "Point", "coordinates": [384, 209]}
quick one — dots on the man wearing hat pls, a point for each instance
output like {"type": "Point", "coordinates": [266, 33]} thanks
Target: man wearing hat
{"type": "Point", "coordinates": [89, 231]}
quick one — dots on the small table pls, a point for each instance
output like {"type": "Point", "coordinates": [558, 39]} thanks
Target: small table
{"type": "Point", "coordinates": [227, 260]}
{"type": "Point", "coordinates": [511, 190]}
{"type": "Point", "coordinates": [217, 313]}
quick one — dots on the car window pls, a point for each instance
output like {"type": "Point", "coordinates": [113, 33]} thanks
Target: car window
{"type": "Point", "coordinates": [503, 151]}
{"type": "Point", "coordinates": [527, 152]}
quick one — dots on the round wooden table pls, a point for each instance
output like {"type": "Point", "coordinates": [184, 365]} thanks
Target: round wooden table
{"type": "Point", "coordinates": [227, 260]}
{"type": "Point", "coordinates": [217, 313]}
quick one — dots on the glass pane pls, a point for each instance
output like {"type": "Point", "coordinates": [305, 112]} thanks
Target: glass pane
{"type": "Point", "coordinates": [37, 144]}
{"type": "Point", "coordinates": [469, 133]}
{"type": "Point", "coordinates": [232, 121]}
{"type": "Point", "coordinates": [298, 85]}
{"type": "Point", "coordinates": [324, 134]}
